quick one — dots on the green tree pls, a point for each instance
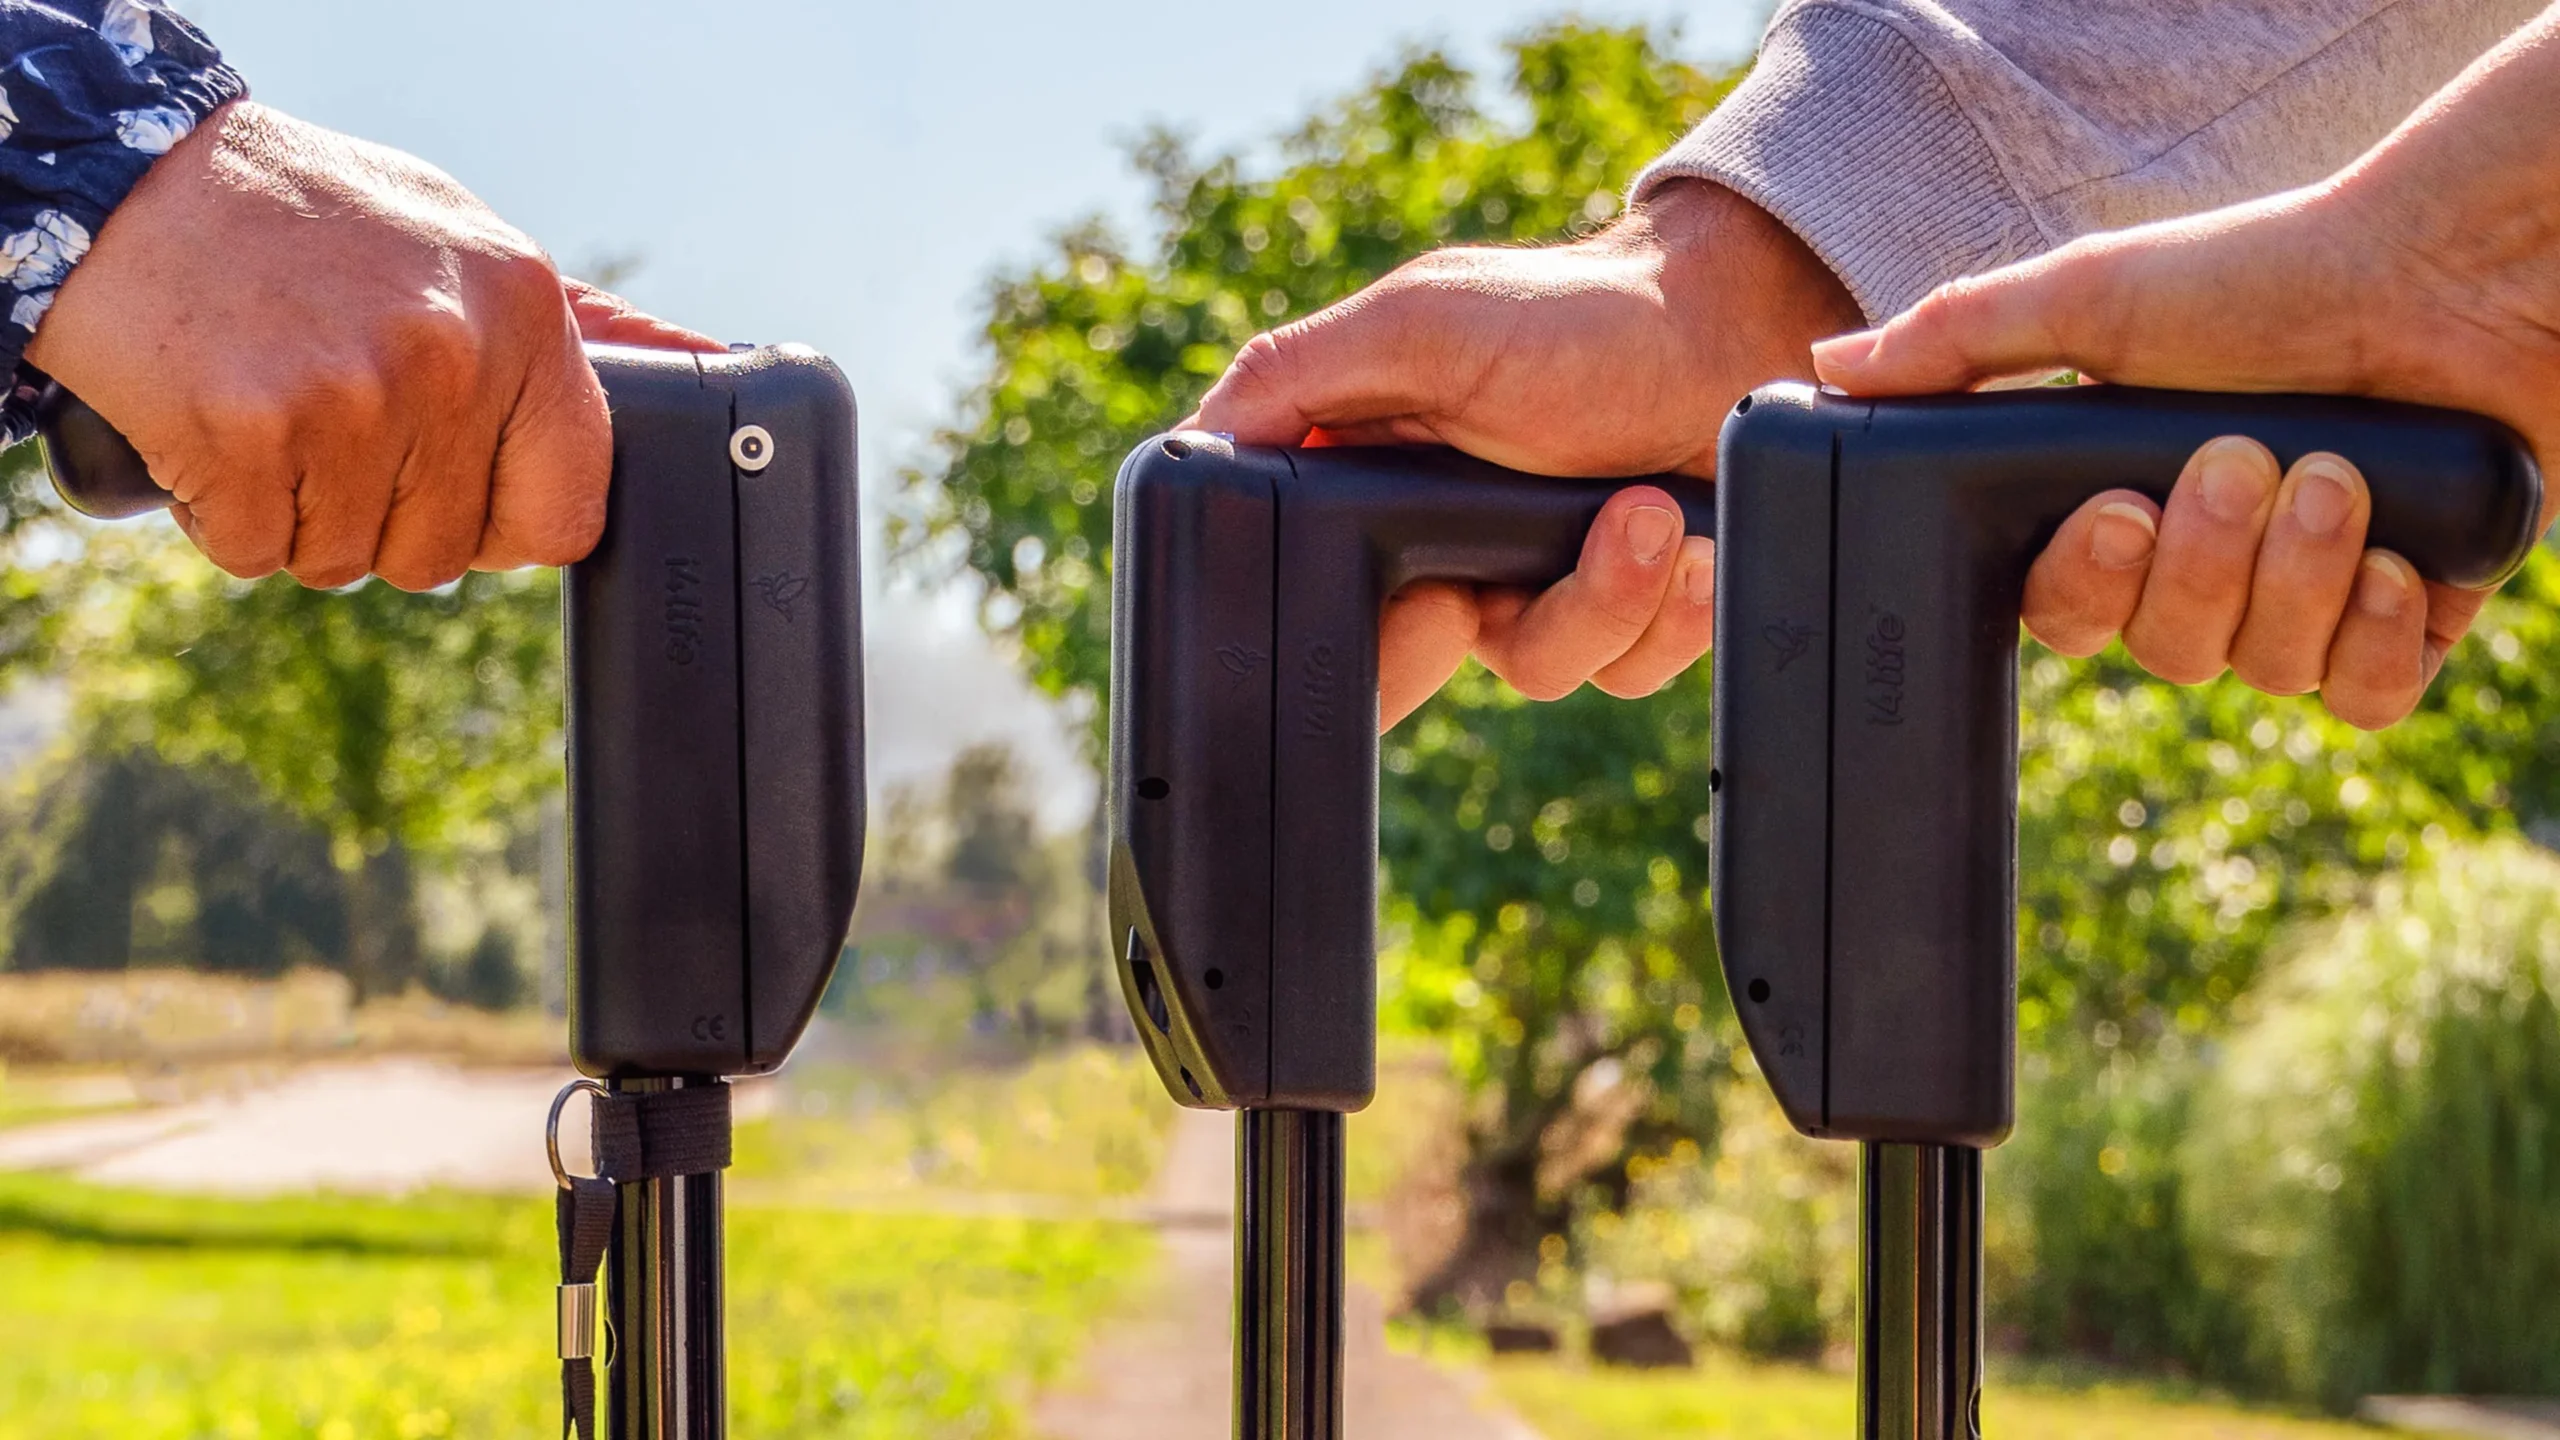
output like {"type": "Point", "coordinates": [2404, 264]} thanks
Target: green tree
{"type": "Point", "coordinates": [1558, 928]}
{"type": "Point", "coordinates": [408, 727]}
{"type": "Point", "coordinates": [87, 867]}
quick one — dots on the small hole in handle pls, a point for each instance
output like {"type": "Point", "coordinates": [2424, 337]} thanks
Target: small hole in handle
{"type": "Point", "coordinates": [1715, 781]}
{"type": "Point", "coordinates": [1177, 449]}
{"type": "Point", "coordinates": [1216, 978]}
{"type": "Point", "coordinates": [1742, 406]}
{"type": "Point", "coordinates": [1153, 788]}
{"type": "Point", "coordinates": [1759, 992]}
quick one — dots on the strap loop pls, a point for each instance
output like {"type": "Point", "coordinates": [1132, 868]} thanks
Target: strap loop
{"type": "Point", "coordinates": [652, 1135]}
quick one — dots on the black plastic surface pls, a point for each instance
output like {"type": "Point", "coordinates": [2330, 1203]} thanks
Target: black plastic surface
{"type": "Point", "coordinates": [715, 761]}
{"type": "Point", "coordinates": [94, 468]}
{"type": "Point", "coordinates": [1872, 561]}
{"type": "Point", "coordinates": [1247, 586]}
{"type": "Point", "coordinates": [1873, 556]}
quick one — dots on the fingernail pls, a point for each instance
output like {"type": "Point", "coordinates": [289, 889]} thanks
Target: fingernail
{"type": "Point", "coordinates": [2322, 496]}
{"type": "Point", "coordinates": [2123, 536]}
{"type": "Point", "coordinates": [2382, 587]}
{"type": "Point", "coordinates": [1846, 351]}
{"type": "Point", "coordinates": [1698, 581]}
{"type": "Point", "coordinates": [1650, 531]}
{"type": "Point", "coordinates": [2235, 477]}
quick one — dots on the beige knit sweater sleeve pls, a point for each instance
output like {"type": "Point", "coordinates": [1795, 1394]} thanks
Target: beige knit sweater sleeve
{"type": "Point", "coordinates": [1913, 141]}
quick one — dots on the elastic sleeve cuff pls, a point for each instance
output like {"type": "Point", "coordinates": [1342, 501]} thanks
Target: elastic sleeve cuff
{"type": "Point", "coordinates": [1847, 136]}
{"type": "Point", "coordinates": [87, 105]}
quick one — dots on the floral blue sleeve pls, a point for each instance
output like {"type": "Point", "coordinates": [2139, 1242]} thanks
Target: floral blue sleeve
{"type": "Point", "coordinates": [91, 92]}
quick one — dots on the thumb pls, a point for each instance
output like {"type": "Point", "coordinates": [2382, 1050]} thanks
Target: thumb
{"type": "Point", "coordinates": [1389, 352]}
{"type": "Point", "coordinates": [2007, 323]}
{"type": "Point", "coordinates": [605, 318]}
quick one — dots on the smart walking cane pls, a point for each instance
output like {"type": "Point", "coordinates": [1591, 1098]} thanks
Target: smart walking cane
{"type": "Point", "coordinates": [716, 797]}
{"type": "Point", "coordinates": [1871, 562]}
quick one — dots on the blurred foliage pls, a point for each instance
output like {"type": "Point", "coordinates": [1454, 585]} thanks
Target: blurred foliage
{"type": "Point", "coordinates": [973, 922]}
{"type": "Point", "coordinates": [1547, 912]}
{"type": "Point", "coordinates": [402, 730]}
{"type": "Point", "coordinates": [1084, 1122]}
{"type": "Point", "coordinates": [125, 860]}
{"type": "Point", "coordinates": [149, 1317]}
{"type": "Point", "coordinates": [1757, 1241]}
{"type": "Point", "coordinates": [1560, 927]}
{"type": "Point", "coordinates": [2375, 1170]}
{"type": "Point", "coordinates": [2086, 1248]}
{"type": "Point", "coordinates": [428, 721]}
{"type": "Point", "coordinates": [1734, 1397]}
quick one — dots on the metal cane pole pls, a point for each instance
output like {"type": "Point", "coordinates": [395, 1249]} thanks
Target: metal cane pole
{"type": "Point", "coordinates": [668, 1371]}
{"type": "Point", "coordinates": [1288, 1380]}
{"type": "Point", "coordinates": [1920, 1310]}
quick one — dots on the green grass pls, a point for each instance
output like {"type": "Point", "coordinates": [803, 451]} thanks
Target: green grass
{"type": "Point", "coordinates": [145, 1316]}
{"type": "Point", "coordinates": [1746, 1401]}
{"type": "Point", "coordinates": [1080, 1124]}
{"type": "Point", "coordinates": [26, 1100]}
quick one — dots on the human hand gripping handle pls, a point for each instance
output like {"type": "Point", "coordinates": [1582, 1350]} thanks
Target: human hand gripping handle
{"type": "Point", "coordinates": [97, 472]}
{"type": "Point", "coordinates": [1874, 559]}
{"type": "Point", "coordinates": [2428, 270]}
{"type": "Point", "coordinates": [337, 362]}
{"type": "Point", "coordinates": [1247, 583]}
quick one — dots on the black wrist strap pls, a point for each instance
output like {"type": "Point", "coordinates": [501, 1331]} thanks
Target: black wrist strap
{"type": "Point", "coordinates": [655, 1135]}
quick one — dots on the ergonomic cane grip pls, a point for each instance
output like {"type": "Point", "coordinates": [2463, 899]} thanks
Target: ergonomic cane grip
{"type": "Point", "coordinates": [94, 468]}
{"type": "Point", "coordinates": [1247, 586]}
{"type": "Point", "coordinates": [716, 720]}
{"type": "Point", "coordinates": [1873, 560]}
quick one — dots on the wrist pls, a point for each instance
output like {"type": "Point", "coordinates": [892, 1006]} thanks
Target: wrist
{"type": "Point", "coordinates": [1731, 270]}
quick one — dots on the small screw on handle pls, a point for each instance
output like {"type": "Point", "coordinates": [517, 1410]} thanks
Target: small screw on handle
{"type": "Point", "coordinates": [95, 469]}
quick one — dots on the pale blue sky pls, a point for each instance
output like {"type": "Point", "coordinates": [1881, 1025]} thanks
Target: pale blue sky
{"type": "Point", "coordinates": [845, 174]}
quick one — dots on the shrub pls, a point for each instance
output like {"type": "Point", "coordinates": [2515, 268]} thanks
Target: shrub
{"type": "Point", "coordinates": [2374, 1172]}
{"type": "Point", "coordinates": [2086, 1252]}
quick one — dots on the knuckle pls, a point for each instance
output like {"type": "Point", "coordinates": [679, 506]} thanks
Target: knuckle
{"type": "Point", "coordinates": [1263, 363]}
{"type": "Point", "coordinates": [2367, 711]}
{"type": "Point", "coordinates": [2276, 674]}
{"type": "Point", "coordinates": [562, 535]}
{"type": "Point", "coordinates": [2070, 638]}
{"type": "Point", "coordinates": [437, 352]}
{"type": "Point", "coordinates": [523, 275]}
{"type": "Point", "coordinates": [241, 564]}
{"type": "Point", "coordinates": [1442, 613]}
{"type": "Point", "coordinates": [2177, 664]}
{"type": "Point", "coordinates": [415, 576]}
{"type": "Point", "coordinates": [353, 400]}
{"type": "Point", "coordinates": [1543, 688]}
{"type": "Point", "coordinates": [249, 431]}
{"type": "Point", "coordinates": [1625, 687]}
{"type": "Point", "coordinates": [329, 575]}
{"type": "Point", "coordinates": [1535, 681]}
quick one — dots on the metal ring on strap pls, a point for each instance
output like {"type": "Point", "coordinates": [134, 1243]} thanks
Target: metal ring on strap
{"type": "Point", "coordinates": [551, 1127]}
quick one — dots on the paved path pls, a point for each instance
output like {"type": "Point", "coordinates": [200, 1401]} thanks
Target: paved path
{"type": "Point", "coordinates": [2449, 1415]}
{"type": "Point", "coordinates": [1162, 1373]}
{"type": "Point", "coordinates": [381, 1127]}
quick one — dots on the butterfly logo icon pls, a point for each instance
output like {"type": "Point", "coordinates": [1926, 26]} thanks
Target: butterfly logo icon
{"type": "Point", "coordinates": [1790, 641]}
{"type": "Point", "coordinates": [780, 591]}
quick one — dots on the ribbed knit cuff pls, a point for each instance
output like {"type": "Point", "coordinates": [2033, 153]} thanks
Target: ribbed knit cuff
{"type": "Point", "coordinates": [1847, 136]}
